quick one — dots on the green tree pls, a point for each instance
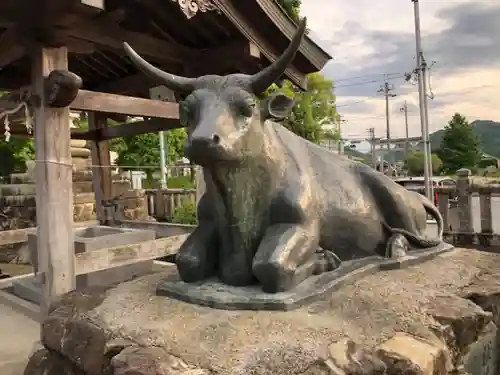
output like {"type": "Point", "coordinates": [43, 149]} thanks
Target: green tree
{"type": "Point", "coordinates": [144, 150]}
{"type": "Point", "coordinates": [415, 164]}
{"type": "Point", "coordinates": [313, 109]}
{"type": "Point", "coordinates": [14, 155]}
{"type": "Point", "coordinates": [460, 148]}
{"type": "Point", "coordinates": [292, 8]}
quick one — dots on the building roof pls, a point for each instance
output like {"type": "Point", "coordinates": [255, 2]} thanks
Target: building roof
{"type": "Point", "coordinates": [188, 43]}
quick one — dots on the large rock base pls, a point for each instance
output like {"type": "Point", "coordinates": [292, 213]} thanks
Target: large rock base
{"type": "Point", "coordinates": [435, 318]}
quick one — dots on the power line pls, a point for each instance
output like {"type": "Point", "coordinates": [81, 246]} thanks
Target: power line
{"type": "Point", "coordinates": [368, 82]}
{"type": "Point", "coordinates": [466, 90]}
{"type": "Point", "coordinates": [366, 75]}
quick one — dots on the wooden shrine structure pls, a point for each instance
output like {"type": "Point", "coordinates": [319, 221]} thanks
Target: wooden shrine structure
{"type": "Point", "coordinates": [57, 55]}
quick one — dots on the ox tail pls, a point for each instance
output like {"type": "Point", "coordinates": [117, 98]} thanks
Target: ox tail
{"type": "Point", "coordinates": [421, 241]}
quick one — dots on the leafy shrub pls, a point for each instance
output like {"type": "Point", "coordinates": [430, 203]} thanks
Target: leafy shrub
{"type": "Point", "coordinates": [185, 214]}
{"type": "Point", "coordinates": [180, 182]}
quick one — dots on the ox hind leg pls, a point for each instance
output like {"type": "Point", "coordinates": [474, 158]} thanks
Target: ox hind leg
{"type": "Point", "coordinates": [287, 255]}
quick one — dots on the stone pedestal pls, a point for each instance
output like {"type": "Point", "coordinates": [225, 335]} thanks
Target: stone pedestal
{"type": "Point", "coordinates": [430, 319]}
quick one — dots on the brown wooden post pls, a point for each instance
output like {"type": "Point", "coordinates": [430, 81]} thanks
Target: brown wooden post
{"type": "Point", "coordinates": [101, 168]}
{"type": "Point", "coordinates": [54, 189]}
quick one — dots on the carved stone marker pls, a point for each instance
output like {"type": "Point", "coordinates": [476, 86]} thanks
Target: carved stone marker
{"type": "Point", "coordinates": [279, 210]}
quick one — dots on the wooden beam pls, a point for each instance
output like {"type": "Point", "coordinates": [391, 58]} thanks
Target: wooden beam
{"type": "Point", "coordinates": [11, 48]}
{"type": "Point", "coordinates": [54, 185]}
{"type": "Point", "coordinates": [141, 127]}
{"type": "Point", "coordinates": [236, 50]}
{"type": "Point", "coordinates": [126, 85]}
{"type": "Point", "coordinates": [113, 36]}
{"type": "Point", "coordinates": [101, 171]}
{"type": "Point", "coordinates": [153, 125]}
{"type": "Point", "coordinates": [127, 105]}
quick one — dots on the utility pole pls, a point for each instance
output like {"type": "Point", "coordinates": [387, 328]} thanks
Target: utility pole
{"type": "Point", "coordinates": [428, 142]}
{"type": "Point", "coordinates": [421, 68]}
{"type": "Point", "coordinates": [386, 90]}
{"type": "Point", "coordinates": [407, 144]}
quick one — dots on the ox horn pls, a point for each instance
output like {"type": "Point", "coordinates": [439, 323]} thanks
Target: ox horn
{"type": "Point", "coordinates": [259, 82]}
{"type": "Point", "coordinates": [175, 83]}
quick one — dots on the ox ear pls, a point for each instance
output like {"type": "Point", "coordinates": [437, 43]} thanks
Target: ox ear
{"type": "Point", "coordinates": [277, 106]}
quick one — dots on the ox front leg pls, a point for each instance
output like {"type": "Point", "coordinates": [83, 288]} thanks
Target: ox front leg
{"type": "Point", "coordinates": [197, 256]}
{"type": "Point", "coordinates": [285, 256]}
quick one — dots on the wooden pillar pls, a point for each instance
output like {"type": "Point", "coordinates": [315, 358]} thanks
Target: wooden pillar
{"type": "Point", "coordinates": [101, 169]}
{"type": "Point", "coordinates": [54, 189]}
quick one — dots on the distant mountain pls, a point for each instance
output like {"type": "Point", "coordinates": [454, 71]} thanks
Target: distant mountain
{"type": "Point", "coordinates": [487, 131]}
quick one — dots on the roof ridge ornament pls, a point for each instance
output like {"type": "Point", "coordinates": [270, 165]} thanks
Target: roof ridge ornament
{"type": "Point", "coordinates": [191, 7]}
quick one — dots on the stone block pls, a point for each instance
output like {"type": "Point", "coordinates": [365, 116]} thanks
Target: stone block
{"type": "Point", "coordinates": [466, 320]}
{"type": "Point", "coordinates": [346, 358]}
{"type": "Point", "coordinates": [483, 356]}
{"type": "Point", "coordinates": [84, 212]}
{"type": "Point", "coordinates": [406, 354]}
{"type": "Point", "coordinates": [17, 189]}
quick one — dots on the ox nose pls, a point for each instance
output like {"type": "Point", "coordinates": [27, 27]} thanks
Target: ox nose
{"type": "Point", "coordinates": [209, 141]}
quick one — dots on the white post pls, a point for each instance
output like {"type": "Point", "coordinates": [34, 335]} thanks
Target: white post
{"type": "Point", "coordinates": [167, 95]}
{"type": "Point", "coordinates": [421, 99]}
{"type": "Point", "coordinates": [163, 164]}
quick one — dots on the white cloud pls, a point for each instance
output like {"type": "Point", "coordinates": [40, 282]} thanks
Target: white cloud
{"type": "Point", "coordinates": [359, 33]}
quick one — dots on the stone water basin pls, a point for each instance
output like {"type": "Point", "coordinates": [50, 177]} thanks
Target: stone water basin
{"type": "Point", "coordinates": [91, 238]}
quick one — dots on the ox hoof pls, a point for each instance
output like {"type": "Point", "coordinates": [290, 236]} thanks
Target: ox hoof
{"type": "Point", "coordinates": [397, 247]}
{"type": "Point", "coordinates": [191, 268]}
{"type": "Point", "coordinates": [274, 277]}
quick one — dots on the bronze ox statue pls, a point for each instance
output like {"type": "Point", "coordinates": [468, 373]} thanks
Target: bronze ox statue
{"type": "Point", "coordinates": [278, 208]}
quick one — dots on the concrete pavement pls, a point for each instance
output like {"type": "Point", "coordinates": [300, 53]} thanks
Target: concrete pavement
{"type": "Point", "coordinates": [18, 335]}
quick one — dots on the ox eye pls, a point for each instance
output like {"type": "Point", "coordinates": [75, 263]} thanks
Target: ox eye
{"type": "Point", "coordinates": [245, 108]}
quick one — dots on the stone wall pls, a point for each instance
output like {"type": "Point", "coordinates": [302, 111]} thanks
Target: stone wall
{"type": "Point", "coordinates": [18, 202]}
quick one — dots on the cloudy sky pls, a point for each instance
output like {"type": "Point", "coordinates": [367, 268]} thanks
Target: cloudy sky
{"type": "Point", "coordinates": [371, 40]}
